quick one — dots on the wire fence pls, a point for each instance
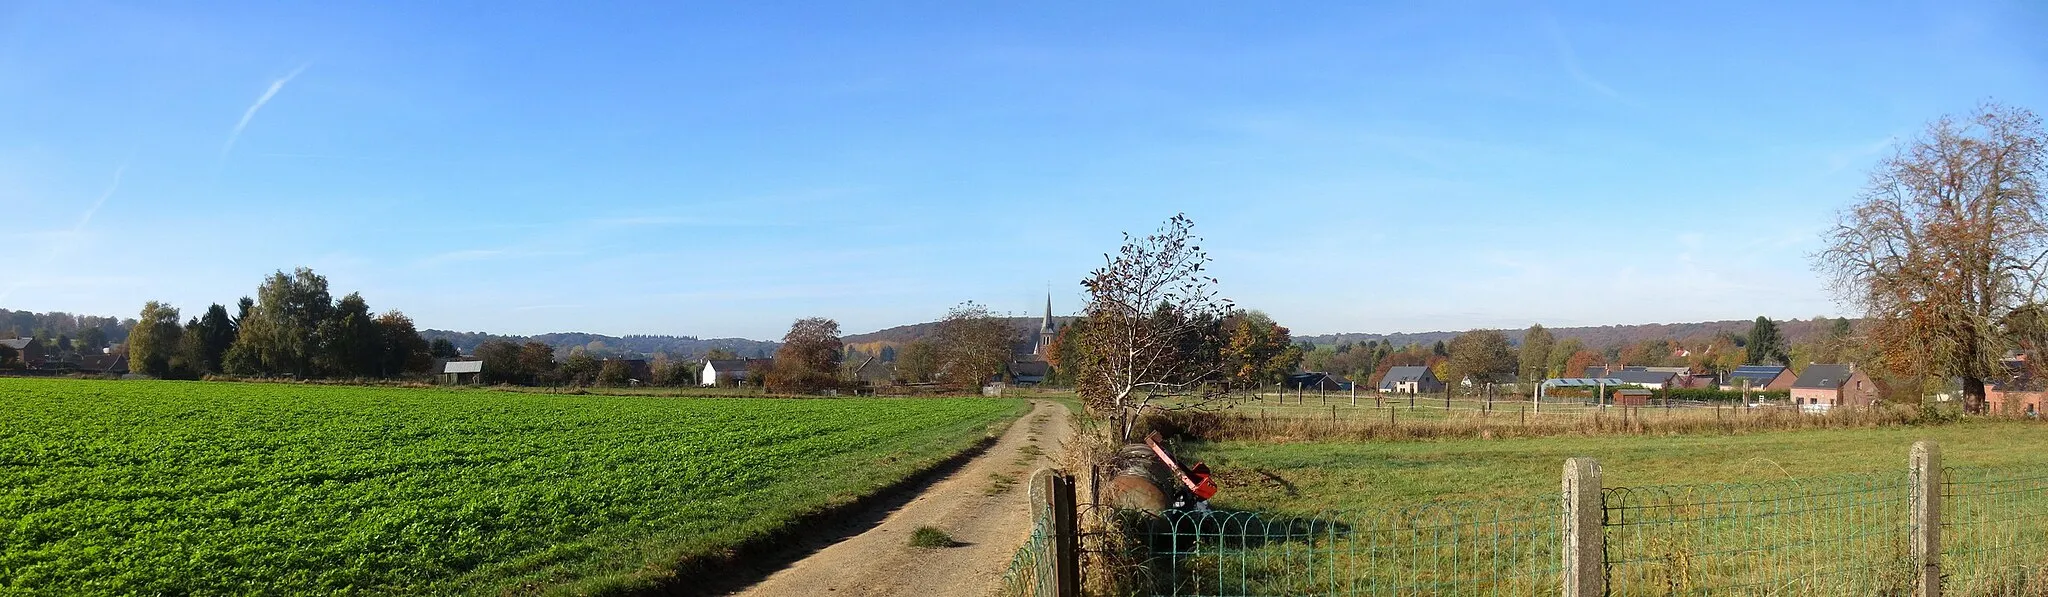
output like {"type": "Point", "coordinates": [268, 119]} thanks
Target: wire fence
{"type": "Point", "coordinates": [1994, 525]}
{"type": "Point", "coordinates": [1837, 535]}
{"type": "Point", "coordinates": [1831, 536]}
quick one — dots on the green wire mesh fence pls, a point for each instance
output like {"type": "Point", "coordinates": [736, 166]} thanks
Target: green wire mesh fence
{"type": "Point", "coordinates": [1497, 547]}
{"type": "Point", "coordinates": [1839, 535]}
{"type": "Point", "coordinates": [1829, 536]}
{"type": "Point", "coordinates": [1994, 532]}
{"type": "Point", "coordinates": [1031, 570]}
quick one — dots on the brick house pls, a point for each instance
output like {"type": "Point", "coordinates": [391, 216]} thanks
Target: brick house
{"type": "Point", "coordinates": [1821, 387]}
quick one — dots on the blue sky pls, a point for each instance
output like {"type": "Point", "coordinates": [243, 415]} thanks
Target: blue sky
{"type": "Point", "coordinates": [716, 171]}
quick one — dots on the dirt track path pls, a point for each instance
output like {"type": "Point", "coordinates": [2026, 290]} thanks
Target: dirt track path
{"type": "Point", "coordinates": [988, 517]}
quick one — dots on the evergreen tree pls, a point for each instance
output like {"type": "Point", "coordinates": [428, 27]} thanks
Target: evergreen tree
{"type": "Point", "coordinates": [1765, 345]}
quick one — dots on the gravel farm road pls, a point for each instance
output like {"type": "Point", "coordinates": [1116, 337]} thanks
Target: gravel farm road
{"type": "Point", "coordinates": [987, 516]}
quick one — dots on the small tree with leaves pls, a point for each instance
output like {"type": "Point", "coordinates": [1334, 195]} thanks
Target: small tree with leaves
{"type": "Point", "coordinates": [1152, 334]}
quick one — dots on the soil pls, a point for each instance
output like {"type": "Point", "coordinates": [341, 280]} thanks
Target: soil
{"type": "Point", "coordinates": [983, 506]}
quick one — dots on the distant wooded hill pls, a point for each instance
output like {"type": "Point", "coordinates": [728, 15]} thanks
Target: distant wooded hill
{"type": "Point", "coordinates": [905, 334]}
{"type": "Point", "coordinates": [599, 345]}
{"type": "Point", "coordinates": [1794, 331]}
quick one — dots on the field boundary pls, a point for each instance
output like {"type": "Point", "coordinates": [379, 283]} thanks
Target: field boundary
{"type": "Point", "coordinates": [755, 559]}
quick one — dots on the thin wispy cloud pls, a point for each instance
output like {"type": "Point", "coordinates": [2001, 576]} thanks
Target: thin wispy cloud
{"type": "Point", "coordinates": [70, 237]}
{"type": "Point", "coordinates": [250, 114]}
{"type": "Point", "coordinates": [1570, 57]}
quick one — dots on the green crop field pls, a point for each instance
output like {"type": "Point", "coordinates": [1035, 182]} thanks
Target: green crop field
{"type": "Point", "coordinates": [219, 488]}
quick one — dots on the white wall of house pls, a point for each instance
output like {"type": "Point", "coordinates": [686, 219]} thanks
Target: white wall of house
{"type": "Point", "coordinates": [710, 376]}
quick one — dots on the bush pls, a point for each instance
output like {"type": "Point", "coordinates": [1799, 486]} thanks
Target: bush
{"type": "Point", "coordinates": [930, 537]}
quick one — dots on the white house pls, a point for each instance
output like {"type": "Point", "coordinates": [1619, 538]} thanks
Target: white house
{"type": "Point", "coordinates": [730, 371]}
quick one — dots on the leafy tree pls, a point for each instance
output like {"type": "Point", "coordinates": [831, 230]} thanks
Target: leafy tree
{"type": "Point", "coordinates": [1535, 357]}
{"type": "Point", "coordinates": [537, 364]}
{"type": "Point", "coordinates": [1258, 351]}
{"type": "Point", "coordinates": [1440, 349]}
{"type": "Point", "coordinates": [154, 343]}
{"type": "Point", "coordinates": [443, 349]}
{"type": "Point", "coordinates": [400, 350]}
{"type": "Point", "coordinates": [720, 354]}
{"type": "Point", "coordinates": [1561, 354]}
{"type": "Point", "coordinates": [579, 369]}
{"type": "Point", "coordinates": [215, 332]}
{"type": "Point", "coordinates": [281, 332]}
{"type": "Point", "coordinates": [502, 363]}
{"type": "Point", "coordinates": [917, 362]}
{"type": "Point", "coordinates": [675, 374]}
{"type": "Point", "coordinates": [614, 373]}
{"type": "Point", "coordinates": [1482, 356]}
{"type": "Point", "coordinates": [808, 360]}
{"type": "Point", "coordinates": [1152, 314]}
{"type": "Point", "coordinates": [1947, 241]}
{"type": "Point", "coordinates": [1579, 361]}
{"type": "Point", "coordinates": [973, 345]}
{"type": "Point", "coordinates": [1648, 352]}
{"type": "Point", "coordinates": [92, 339]}
{"type": "Point", "coordinates": [1765, 346]}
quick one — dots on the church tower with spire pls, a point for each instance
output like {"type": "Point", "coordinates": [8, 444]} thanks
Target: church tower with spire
{"type": "Point", "coordinates": [1047, 330]}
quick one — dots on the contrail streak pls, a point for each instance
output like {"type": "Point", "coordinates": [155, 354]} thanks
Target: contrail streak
{"type": "Point", "coordinates": [76, 229]}
{"type": "Point", "coordinates": [247, 115]}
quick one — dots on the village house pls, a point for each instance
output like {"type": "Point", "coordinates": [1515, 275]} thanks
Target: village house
{"type": "Point", "coordinates": [1821, 387]}
{"type": "Point", "coordinates": [2020, 393]}
{"type": "Point", "coordinates": [727, 372]}
{"type": "Point", "coordinates": [1760, 378]}
{"type": "Point", "coordinates": [1411, 379]}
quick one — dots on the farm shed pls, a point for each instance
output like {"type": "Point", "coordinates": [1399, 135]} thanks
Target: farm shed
{"type": "Point", "coordinates": [1632, 397]}
{"type": "Point", "coordinates": [1760, 377]}
{"type": "Point", "coordinates": [1411, 379]}
{"type": "Point", "coordinates": [460, 373]}
{"type": "Point", "coordinates": [1826, 386]}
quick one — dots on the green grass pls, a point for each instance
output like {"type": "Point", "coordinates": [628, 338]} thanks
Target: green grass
{"type": "Point", "coordinates": [931, 537]}
{"type": "Point", "coordinates": [1393, 474]}
{"type": "Point", "coordinates": [1816, 512]}
{"type": "Point", "coordinates": [213, 488]}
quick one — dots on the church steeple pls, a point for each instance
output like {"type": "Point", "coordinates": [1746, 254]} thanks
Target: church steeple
{"type": "Point", "coordinates": [1047, 330]}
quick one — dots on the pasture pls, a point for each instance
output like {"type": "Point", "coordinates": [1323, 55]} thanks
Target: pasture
{"type": "Point", "coordinates": [218, 488]}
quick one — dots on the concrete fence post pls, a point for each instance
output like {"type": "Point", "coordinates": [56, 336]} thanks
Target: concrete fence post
{"type": "Point", "coordinates": [1925, 501]}
{"type": "Point", "coordinates": [1585, 542]}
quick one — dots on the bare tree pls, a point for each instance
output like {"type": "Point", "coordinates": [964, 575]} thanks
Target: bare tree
{"type": "Point", "coordinates": [1945, 244]}
{"type": "Point", "coordinates": [1152, 332]}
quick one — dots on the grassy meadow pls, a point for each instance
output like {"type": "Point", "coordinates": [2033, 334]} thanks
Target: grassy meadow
{"type": "Point", "coordinates": [232, 488]}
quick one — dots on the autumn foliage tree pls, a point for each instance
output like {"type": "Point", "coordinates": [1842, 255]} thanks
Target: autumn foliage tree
{"type": "Point", "coordinates": [808, 360]}
{"type": "Point", "coordinates": [1153, 318]}
{"type": "Point", "coordinates": [1258, 351]}
{"type": "Point", "coordinates": [1946, 243]}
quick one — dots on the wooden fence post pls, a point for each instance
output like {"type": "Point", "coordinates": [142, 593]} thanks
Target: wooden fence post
{"type": "Point", "coordinates": [1066, 535]}
{"type": "Point", "coordinates": [1926, 521]}
{"type": "Point", "coordinates": [1585, 542]}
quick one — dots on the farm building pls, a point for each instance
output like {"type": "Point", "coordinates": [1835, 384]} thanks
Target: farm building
{"type": "Point", "coordinates": [725, 372]}
{"type": "Point", "coordinates": [459, 373]}
{"type": "Point", "coordinates": [1632, 397]}
{"type": "Point", "coordinates": [1826, 386]}
{"type": "Point", "coordinates": [103, 363]}
{"type": "Point", "coordinates": [1760, 377]}
{"type": "Point", "coordinates": [26, 351]}
{"type": "Point", "coordinates": [1316, 380]}
{"type": "Point", "coordinates": [1412, 379]}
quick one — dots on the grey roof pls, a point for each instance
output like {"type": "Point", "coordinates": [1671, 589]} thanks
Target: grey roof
{"type": "Point", "coordinates": [1637, 376]}
{"type": "Point", "coordinates": [1581, 382]}
{"type": "Point", "coordinates": [1594, 372]}
{"type": "Point", "coordinates": [1824, 377]}
{"type": "Point", "coordinates": [16, 343]}
{"type": "Point", "coordinates": [462, 367]}
{"type": "Point", "coordinates": [736, 364]}
{"type": "Point", "coordinates": [1407, 373]}
{"type": "Point", "coordinates": [1756, 374]}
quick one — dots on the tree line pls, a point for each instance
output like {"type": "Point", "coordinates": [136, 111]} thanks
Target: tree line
{"type": "Point", "coordinates": [293, 327]}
